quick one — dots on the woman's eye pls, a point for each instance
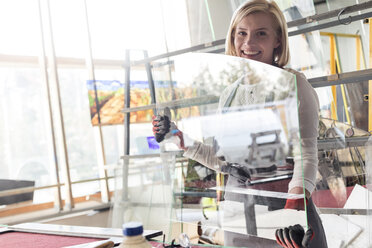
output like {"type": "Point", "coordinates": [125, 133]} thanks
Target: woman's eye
{"type": "Point", "coordinates": [242, 33]}
{"type": "Point", "coordinates": [261, 33]}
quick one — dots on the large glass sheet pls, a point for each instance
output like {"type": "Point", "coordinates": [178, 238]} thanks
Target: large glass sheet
{"type": "Point", "coordinates": [238, 116]}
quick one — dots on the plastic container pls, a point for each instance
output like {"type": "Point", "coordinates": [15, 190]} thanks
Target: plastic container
{"type": "Point", "coordinates": [133, 237]}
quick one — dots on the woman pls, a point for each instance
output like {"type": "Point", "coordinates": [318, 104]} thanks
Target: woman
{"type": "Point", "coordinates": [258, 31]}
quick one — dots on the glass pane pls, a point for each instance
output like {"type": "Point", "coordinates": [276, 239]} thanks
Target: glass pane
{"type": "Point", "coordinates": [243, 115]}
{"type": "Point", "coordinates": [367, 204]}
{"type": "Point", "coordinates": [20, 28]}
{"type": "Point", "coordinates": [69, 34]}
{"type": "Point", "coordinates": [351, 39]}
{"type": "Point", "coordinates": [80, 191]}
{"type": "Point", "coordinates": [306, 50]}
{"type": "Point", "coordinates": [348, 105]}
{"type": "Point", "coordinates": [26, 155]}
{"type": "Point", "coordinates": [351, 51]}
{"type": "Point", "coordinates": [208, 20]}
{"type": "Point", "coordinates": [165, 23]}
{"type": "Point", "coordinates": [343, 173]}
{"type": "Point", "coordinates": [341, 193]}
{"type": "Point", "coordinates": [25, 132]}
{"type": "Point", "coordinates": [145, 195]}
{"type": "Point", "coordinates": [80, 136]}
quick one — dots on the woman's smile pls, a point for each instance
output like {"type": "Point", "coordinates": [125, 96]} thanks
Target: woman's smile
{"type": "Point", "coordinates": [255, 38]}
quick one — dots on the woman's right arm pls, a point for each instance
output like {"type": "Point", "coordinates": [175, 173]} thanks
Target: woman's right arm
{"type": "Point", "coordinates": [204, 154]}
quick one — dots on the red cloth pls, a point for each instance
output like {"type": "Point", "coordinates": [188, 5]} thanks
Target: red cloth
{"type": "Point", "coordinates": [37, 240]}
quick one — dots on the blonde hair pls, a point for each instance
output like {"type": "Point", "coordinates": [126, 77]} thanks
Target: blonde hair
{"type": "Point", "coordinates": [281, 54]}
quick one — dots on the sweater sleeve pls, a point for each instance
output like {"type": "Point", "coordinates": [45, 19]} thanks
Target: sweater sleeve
{"type": "Point", "coordinates": [305, 169]}
{"type": "Point", "coordinates": [204, 154]}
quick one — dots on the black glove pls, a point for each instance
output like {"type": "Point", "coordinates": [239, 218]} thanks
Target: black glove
{"type": "Point", "coordinates": [160, 127]}
{"type": "Point", "coordinates": [237, 171]}
{"type": "Point", "coordinates": [294, 237]}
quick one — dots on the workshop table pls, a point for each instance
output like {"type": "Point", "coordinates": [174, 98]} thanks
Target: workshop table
{"type": "Point", "coordinates": [38, 235]}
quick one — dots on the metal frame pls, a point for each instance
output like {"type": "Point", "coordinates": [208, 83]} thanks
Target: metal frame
{"type": "Point", "coordinates": [179, 52]}
{"type": "Point", "coordinates": [337, 143]}
{"type": "Point", "coordinates": [343, 21]}
{"type": "Point", "coordinates": [341, 78]}
{"type": "Point", "coordinates": [181, 103]}
{"type": "Point", "coordinates": [370, 81]}
{"type": "Point", "coordinates": [58, 113]}
{"type": "Point", "coordinates": [345, 211]}
{"type": "Point", "coordinates": [30, 189]}
{"type": "Point", "coordinates": [100, 148]}
{"type": "Point", "coordinates": [330, 14]}
{"type": "Point", "coordinates": [43, 65]}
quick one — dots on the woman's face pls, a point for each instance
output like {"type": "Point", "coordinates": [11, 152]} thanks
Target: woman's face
{"type": "Point", "coordinates": [255, 38]}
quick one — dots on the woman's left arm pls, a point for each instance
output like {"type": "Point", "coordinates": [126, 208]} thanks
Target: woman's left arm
{"type": "Point", "coordinates": [308, 110]}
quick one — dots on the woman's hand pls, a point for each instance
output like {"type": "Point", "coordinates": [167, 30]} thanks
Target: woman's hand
{"type": "Point", "coordinates": [241, 173]}
{"type": "Point", "coordinates": [160, 127]}
{"type": "Point", "coordinates": [300, 190]}
{"type": "Point", "coordinates": [163, 128]}
{"type": "Point", "coordinates": [297, 204]}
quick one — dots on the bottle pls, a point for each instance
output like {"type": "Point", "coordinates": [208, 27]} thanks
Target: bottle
{"type": "Point", "coordinates": [133, 237]}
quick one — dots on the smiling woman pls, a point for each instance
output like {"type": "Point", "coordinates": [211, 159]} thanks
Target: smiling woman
{"type": "Point", "coordinates": [255, 38]}
{"type": "Point", "coordinates": [260, 33]}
